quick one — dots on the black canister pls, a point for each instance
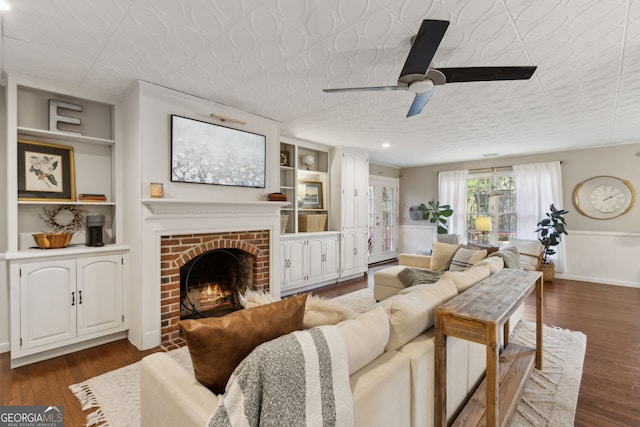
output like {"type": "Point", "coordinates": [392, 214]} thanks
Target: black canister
{"type": "Point", "coordinates": [94, 230]}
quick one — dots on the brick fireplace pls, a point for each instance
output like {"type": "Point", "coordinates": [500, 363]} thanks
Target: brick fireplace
{"type": "Point", "coordinates": [173, 231]}
{"type": "Point", "coordinates": [177, 250]}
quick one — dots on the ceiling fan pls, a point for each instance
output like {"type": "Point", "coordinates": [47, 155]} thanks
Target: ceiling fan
{"type": "Point", "coordinates": [417, 77]}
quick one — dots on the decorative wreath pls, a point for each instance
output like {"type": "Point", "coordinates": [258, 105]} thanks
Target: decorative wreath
{"type": "Point", "coordinates": [50, 215]}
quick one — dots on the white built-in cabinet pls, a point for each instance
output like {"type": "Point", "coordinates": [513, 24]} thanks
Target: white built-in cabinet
{"type": "Point", "coordinates": [349, 186]}
{"type": "Point", "coordinates": [340, 252]}
{"type": "Point", "coordinates": [67, 300]}
{"type": "Point", "coordinates": [308, 261]}
{"type": "Point", "coordinates": [62, 300]}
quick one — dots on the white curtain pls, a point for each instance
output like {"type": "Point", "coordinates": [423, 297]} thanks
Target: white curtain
{"type": "Point", "coordinates": [538, 185]}
{"type": "Point", "coordinates": [452, 190]}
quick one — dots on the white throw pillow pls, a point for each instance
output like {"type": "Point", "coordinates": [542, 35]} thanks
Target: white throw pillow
{"type": "Point", "coordinates": [365, 337]}
{"type": "Point", "coordinates": [466, 279]}
{"type": "Point", "coordinates": [412, 313]}
{"type": "Point", "coordinates": [318, 311]}
{"type": "Point", "coordinates": [321, 311]}
{"type": "Point", "coordinates": [441, 255]}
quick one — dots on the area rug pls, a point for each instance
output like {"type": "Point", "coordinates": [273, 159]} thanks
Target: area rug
{"type": "Point", "coordinates": [549, 398]}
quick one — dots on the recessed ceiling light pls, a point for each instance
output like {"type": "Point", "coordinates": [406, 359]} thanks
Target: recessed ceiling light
{"type": "Point", "coordinates": [386, 145]}
{"type": "Point", "coordinates": [4, 5]}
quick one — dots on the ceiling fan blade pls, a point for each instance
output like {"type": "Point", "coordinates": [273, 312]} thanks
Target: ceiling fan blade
{"type": "Point", "coordinates": [423, 48]}
{"type": "Point", "coordinates": [484, 74]}
{"type": "Point", "coordinates": [420, 101]}
{"type": "Point", "coordinates": [365, 89]}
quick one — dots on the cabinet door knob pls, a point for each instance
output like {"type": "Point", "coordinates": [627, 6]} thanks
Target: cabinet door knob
{"type": "Point", "coordinates": [79, 297]}
{"type": "Point", "coordinates": [73, 298]}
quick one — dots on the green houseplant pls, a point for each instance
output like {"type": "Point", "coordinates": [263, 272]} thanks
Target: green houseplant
{"type": "Point", "coordinates": [551, 229]}
{"type": "Point", "coordinates": [437, 214]}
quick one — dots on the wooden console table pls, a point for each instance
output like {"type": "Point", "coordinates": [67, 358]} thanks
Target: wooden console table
{"type": "Point", "coordinates": [476, 315]}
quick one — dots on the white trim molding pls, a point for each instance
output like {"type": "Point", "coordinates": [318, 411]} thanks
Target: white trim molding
{"type": "Point", "coordinates": [602, 257]}
{"type": "Point", "coordinates": [415, 238]}
{"type": "Point", "coordinates": [173, 207]}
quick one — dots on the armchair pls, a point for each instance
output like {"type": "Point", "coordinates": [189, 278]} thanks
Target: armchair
{"type": "Point", "coordinates": [531, 253]}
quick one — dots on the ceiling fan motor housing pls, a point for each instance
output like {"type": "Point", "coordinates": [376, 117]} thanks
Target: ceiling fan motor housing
{"type": "Point", "coordinates": [421, 86]}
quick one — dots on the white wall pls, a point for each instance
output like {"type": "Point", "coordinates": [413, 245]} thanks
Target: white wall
{"type": "Point", "coordinates": [603, 257]}
{"type": "Point", "coordinates": [147, 139]}
{"type": "Point", "coordinates": [157, 105]}
{"type": "Point", "coordinates": [415, 239]}
{"type": "Point", "coordinates": [4, 280]}
{"type": "Point", "coordinates": [5, 345]}
{"type": "Point", "coordinates": [602, 251]}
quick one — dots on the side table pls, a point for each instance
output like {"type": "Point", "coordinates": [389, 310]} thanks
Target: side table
{"type": "Point", "coordinates": [476, 315]}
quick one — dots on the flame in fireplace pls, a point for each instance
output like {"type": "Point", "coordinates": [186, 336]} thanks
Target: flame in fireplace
{"type": "Point", "coordinates": [210, 297]}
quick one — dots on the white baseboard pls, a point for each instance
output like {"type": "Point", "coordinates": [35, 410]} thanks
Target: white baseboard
{"type": "Point", "coordinates": [600, 280]}
{"type": "Point", "coordinates": [149, 340]}
{"type": "Point", "coordinates": [60, 351]}
{"type": "Point", "coordinates": [5, 347]}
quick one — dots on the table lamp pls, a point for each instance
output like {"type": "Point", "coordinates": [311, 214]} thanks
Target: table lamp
{"type": "Point", "coordinates": [483, 224]}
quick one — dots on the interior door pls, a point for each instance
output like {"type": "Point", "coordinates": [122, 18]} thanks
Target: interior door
{"type": "Point", "coordinates": [383, 210]}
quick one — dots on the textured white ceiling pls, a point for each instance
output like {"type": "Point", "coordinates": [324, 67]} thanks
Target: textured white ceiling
{"type": "Point", "coordinates": [274, 57]}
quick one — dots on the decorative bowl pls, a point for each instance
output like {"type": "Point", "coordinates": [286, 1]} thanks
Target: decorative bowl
{"type": "Point", "coordinates": [52, 240]}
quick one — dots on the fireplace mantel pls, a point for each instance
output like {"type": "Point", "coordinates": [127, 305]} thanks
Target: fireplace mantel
{"type": "Point", "coordinates": [171, 207]}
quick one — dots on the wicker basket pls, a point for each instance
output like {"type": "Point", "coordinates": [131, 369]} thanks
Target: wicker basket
{"type": "Point", "coordinates": [311, 222]}
{"type": "Point", "coordinates": [284, 219]}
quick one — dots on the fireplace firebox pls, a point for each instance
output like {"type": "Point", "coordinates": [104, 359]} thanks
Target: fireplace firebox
{"type": "Point", "coordinates": [177, 250]}
{"type": "Point", "coordinates": [210, 284]}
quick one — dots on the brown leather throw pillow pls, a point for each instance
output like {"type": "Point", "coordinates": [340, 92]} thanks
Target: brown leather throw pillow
{"type": "Point", "coordinates": [218, 344]}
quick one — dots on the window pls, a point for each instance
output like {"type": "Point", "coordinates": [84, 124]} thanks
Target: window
{"type": "Point", "coordinates": [491, 195]}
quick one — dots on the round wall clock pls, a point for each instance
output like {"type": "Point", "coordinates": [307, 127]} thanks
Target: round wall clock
{"type": "Point", "coordinates": [604, 197]}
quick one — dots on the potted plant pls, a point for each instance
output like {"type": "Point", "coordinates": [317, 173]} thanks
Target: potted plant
{"type": "Point", "coordinates": [437, 214]}
{"type": "Point", "coordinates": [551, 229]}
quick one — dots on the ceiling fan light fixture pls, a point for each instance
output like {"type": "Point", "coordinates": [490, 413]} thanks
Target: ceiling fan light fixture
{"type": "Point", "coordinates": [421, 86]}
{"type": "Point", "coordinates": [422, 81]}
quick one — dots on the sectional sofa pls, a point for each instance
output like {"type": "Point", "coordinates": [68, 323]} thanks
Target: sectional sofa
{"type": "Point", "coordinates": [390, 351]}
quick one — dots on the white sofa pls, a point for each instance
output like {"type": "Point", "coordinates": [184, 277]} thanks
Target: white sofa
{"type": "Point", "coordinates": [391, 364]}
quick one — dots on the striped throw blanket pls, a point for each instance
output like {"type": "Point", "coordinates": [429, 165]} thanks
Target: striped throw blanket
{"type": "Point", "coordinates": [299, 379]}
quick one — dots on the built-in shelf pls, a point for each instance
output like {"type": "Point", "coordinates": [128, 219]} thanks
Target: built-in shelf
{"type": "Point", "coordinates": [31, 202]}
{"type": "Point", "coordinates": [306, 163]}
{"type": "Point", "coordinates": [61, 136]}
{"type": "Point", "coordinates": [69, 251]}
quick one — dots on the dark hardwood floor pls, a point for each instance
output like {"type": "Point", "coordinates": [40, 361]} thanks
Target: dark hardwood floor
{"type": "Point", "coordinates": [608, 315]}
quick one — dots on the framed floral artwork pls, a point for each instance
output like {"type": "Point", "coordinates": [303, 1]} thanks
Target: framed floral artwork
{"type": "Point", "coordinates": [45, 172]}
